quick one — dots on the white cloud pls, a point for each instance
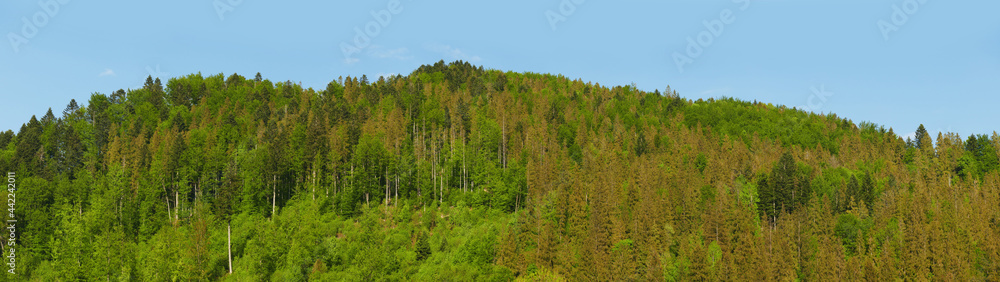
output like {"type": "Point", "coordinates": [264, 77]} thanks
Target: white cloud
{"type": "Point", "coordinates": [107, 72]}
{"type": "Point", "coordinates": [453, 53]}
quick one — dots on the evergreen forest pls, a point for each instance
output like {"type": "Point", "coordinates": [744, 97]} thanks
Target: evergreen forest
{"type": "Point", "coordinates": [455, 172]}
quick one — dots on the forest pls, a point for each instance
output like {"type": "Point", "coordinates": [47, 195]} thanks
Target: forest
{"type": "Point", "coordinates": [456, 172]}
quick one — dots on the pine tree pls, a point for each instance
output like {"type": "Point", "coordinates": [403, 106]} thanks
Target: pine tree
{"type": "Point", "coordinates": [70, 108]}
{"type": "Point", "coordinates": [923, 139]}
{"type": "Point", "coordinates": [785, 189]}
{"type": "Point", "coordinates": [29, 143]}
{"type": "Point", "coordinates": [867, 192]}
{"type": "Point", "coordinates": [852, 193]}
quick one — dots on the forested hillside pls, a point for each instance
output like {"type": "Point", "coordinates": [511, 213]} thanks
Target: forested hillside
{"type": "Point", "coordinates": [456, 172]}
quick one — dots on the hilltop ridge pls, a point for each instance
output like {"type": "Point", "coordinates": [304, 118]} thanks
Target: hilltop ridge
{"type": "Point", "coordinates": [456, 171]}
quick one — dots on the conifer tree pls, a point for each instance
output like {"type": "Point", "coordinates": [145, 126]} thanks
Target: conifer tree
{"type": "Point", "coordinates": [923, 139]}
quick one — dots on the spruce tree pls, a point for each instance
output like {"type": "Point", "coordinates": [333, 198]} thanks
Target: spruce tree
{"type": "Point", "coordinates": [70, 108]}
{"type": "Point", "coordinates": [423, 247]}
{"type": "Point", "coordinates": [923, 139]}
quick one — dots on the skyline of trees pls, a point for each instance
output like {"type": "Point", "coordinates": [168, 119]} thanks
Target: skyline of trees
{"type": "Point", "coordinates": [459, 172]}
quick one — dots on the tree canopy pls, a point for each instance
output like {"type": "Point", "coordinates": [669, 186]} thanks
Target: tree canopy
{"type": "Point", "coordinates": [456, 172]}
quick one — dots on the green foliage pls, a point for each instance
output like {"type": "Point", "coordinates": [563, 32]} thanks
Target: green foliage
{"type": "Point", "coordinates": [423, 247]}
{"type": "Point", "coordinates": [747, 193]}
{"type": "Point", "coordinates": [786, 189]}
{"type": "Point", "coordinates": [923, 139]}
{"type": "Point", "coordinates": [459, 173]}
{"type": "Point", "coordinates": [830, 183]}
{"type": "Point", "coordinates": [980, 157]}
{"type": "Point", "coordinates": [701, 162]}
{"type": "Point", "coordinates": [742, 120]}
{"type": "Point", "coordinates": [852, 230]}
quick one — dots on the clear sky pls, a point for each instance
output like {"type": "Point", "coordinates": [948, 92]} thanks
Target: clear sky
{"type": "Point", "coordinates": [929, 61]}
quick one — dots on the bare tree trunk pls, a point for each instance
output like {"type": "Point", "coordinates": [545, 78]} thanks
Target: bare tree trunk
{"type": "Point", "coordinates": [465, 175]}
{"type": "Point", "coordinates": [433, 168]}
{"type": "Point", "coordinates": [504, 141]}
{"type": "Point", "coordinates": [367, 202]}
{"type": "Point", "coordinates": [798, 235]}
{"type": "Point", "coordinates": [196, 194]}
{"type": "Point", "coordinates": [385, 178]}
{"type": "Point", "coordinates": [413, 138]}
{"type": "Point", "coordinates": [166, 198]}
{"type": "Point", "coordinates": [177, 201]}
{"type": "Point", "coordinates": [274, 189]}
{"type": "Point", "coordinates": [229, 245]}
{"type": "Point", "coordinates": [527, 184]}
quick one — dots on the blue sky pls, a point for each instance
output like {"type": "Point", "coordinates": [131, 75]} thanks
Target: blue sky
{"type": "Point", "coordinates": [937, 64]}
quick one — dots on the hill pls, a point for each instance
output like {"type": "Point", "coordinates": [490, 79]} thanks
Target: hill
{"type": "Point", "coordinates": [463, 173]}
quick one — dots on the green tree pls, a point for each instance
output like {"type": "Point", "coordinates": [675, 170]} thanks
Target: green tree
{"type": "Point", "coordinates": [980, 158]}
{"type": "Point", "coordinates": [98, 117]}
{"type": "Point", "coordinates": [28, 145]}
{"type": "Point", "coordinates": [785, 189]}
{"type": "Point", "coordinates": [423, 248]}
{"type": "Point", "coordinates": [867, 192]}
{"type": "Point", "coordinates": [923, 139]}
